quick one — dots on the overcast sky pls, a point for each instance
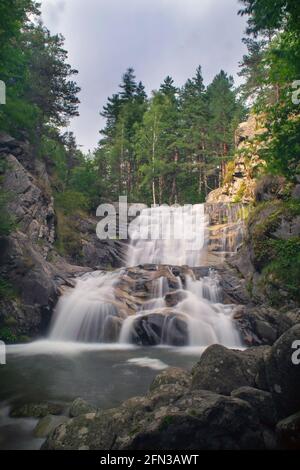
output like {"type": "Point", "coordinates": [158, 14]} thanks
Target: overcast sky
{"type": "Point", "coordinates": [155, 37]}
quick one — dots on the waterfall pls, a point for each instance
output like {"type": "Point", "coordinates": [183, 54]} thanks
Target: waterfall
{"type": "Point", "coordinates": [157, 298]}
{"type": "Point", "coordinates": [169, 235]}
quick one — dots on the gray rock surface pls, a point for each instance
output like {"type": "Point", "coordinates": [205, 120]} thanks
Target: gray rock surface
{"type": "Point", "coordinates": [223, 370]}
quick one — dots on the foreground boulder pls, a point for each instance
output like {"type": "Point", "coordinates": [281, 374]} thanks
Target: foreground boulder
{"type": "Point", "coordinates": [222, 370]}
{"type": "Point", "coordinates": [196, 420]}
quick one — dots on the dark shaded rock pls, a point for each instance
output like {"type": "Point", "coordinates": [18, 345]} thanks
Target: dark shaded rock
{"type": "Point", "coordinates": [269, 187]}
{"type": "Point", "coordinates": [80, 407]}
{"type": "Point", "coordinates": [173, 298]}
{"type": "Point", "coordinates": [282, 376]}
{"type": "Point", "coordinates": [261, 401]}
{"type": "Point", "coordinates": [36, 410]}
{"type": "Point", "coordinates": [223, 370]}
{"type": "Point", "coordinates": [296, 192]}
{"type": "Point", "coordinates": [288, 430]}
{"type": "Point", "coordinates": [263, 325]}
{"type": "Point", "coordinates": [161, 327]}
{"type": "Point", "coordinates": [234, 287]}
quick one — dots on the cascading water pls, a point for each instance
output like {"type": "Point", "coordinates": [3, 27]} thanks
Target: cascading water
{"type": "Point", "coordinates": [161, 301]}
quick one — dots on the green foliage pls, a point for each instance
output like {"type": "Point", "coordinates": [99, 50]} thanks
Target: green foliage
{"type": "Point", "coordinates": [7, 335]}
{"type": "Point", "coordinates": [283, 271]}
{"type": "Point", "coordinates": [229, 172]}
{"type": "Point", "coordinates": [277, 259]}
{"type": "Point", "coordinates": [71, 201]}
{"type": "Point", "coordinates": [68, 242]}
{"type": "Point", "coordinates": [240, 192]}
{"type": "Point", "coordinates": [171, 147]}
{"type": "Point", "coordinates": [270, 68]}
{"type": "Point", "coordinates": [6, 289]}
{"type": "Point", "coordinates": [267, 15]}
{"type": "Point", "coordinates": [33, 64]}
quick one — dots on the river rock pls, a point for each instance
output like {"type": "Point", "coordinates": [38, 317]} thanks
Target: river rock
{"type": "Point", "coordinates": [47, 424]}
{"type": "Point", "coordinates": [223, 370]}
{"type": "Point", "coordinates": [170, 376]}
{"type": "Point", "coordinates": [80, 407]}
{"type": "Point", "coordinates": [162, 326]}
{"type": "Point", "coordinates": [36, 410]}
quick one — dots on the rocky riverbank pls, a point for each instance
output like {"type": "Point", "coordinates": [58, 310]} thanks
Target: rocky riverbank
{"type": "Point", "coordinates": [230, 400]}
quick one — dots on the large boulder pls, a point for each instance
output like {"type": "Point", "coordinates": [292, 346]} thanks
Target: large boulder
{"type": "Point", "coordinates": [282, 375]}
{"type": "Point", "coordinates": [223, 370]}
{"type": "Point", "coordinates": [191, 421]}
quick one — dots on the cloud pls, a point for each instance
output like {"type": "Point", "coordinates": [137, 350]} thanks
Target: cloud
{"type": "Point", "coordinates": [156, 37]}
{"type": "Point", "coordinates": [53, 10]}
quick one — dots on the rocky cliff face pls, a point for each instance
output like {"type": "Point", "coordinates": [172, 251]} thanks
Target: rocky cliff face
{"type": "Point", "coordinates": [239, 182]}
{"type": "Point", "coordinates": [30, 264]}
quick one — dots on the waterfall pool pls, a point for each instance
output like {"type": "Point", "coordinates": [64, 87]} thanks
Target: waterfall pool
{"type": "Point", "coordinates": [103, 374]}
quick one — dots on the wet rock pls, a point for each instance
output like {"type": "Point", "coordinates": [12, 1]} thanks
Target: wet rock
{"type": "Point", "coordinates": [81, 407]}
{"type": "Point", "coordinates": [47, 424]}
{"type": "Point", "coordinates": [36, 410]}
{"type": "Point", "coordinates": [288, 430]}
{"type": "Point", "coordinates": [173, 298]}
{"type": "Point", "coordinates": [159, 327]}
{"type": "Point", "coordinates": [223, 370]}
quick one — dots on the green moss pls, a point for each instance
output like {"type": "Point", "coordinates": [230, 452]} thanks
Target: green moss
{"type": "Point", "coordinates": [7, 335]}
{"type": "Point", "coordinates": [240, 193]}
{"type": "Point", "coordinates": [283, 270]}
{"type": "Point", "coordinates": [278, 260]}
{"type": "Point", "coordinates": [10, 321]}
{"type": "Point", "coordinates": [23, 339]}
{"type": "Point", "coordinates": [166, 421]}
{"type": "Point", "coordinates": [228, 178]}
{"type": "Point", "coordinates": [6, 289]}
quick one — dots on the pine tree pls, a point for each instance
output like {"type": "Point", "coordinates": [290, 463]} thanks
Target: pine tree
{"type": "Point", "coordinates": [128, 85]}
{"type": "Point", "coordinates": [222, 108]}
